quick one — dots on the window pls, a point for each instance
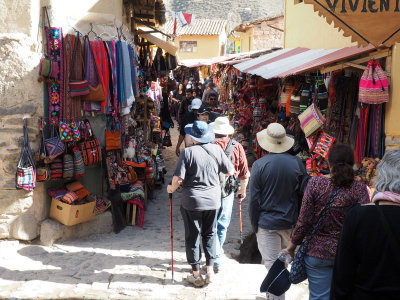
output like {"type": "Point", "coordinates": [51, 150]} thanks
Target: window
{"type": "Point", "coordinates": [186, 46]}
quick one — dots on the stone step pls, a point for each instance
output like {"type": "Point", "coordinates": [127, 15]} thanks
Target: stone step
{"type": "Point", "coordinates": [52, 230]}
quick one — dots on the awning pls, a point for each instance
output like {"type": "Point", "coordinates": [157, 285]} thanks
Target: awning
{"type": "Point", "coordinates": [167, 46]}
{"type": "Point", "coordinates": [286, 62]}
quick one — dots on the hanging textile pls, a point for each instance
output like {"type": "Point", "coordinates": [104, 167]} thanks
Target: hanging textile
{"type": "Point", "coordinates": [377, 130]}
{"type": "Point", "coordinates": [114, 82]}
{"type": "Point", "coordinates": [133, 58]}
{"type": "Point", "coordinates": [100, 57]}
{"type": "Point", "coordinates": [55, 89]}
{"type": "Point", "coordinates": [362, 133]}
{"type": "Point", "coordinates": [120, 75]}
{"type": "Point", "coordinates": [127, 79]}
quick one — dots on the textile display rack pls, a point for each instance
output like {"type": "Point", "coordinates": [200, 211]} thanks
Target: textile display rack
{"type": "Point", "coordinates": [103, 100]}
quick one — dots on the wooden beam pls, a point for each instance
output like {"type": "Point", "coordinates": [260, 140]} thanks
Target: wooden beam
{"type": "Point", "coordinates": [142, 31]}
{"type": "Point", "coordinates": [145, 23]}
{"type": "Point", "coordinates": [151, 27]}
{"type": "Point", "coordinates": [144, 16]}
{"type": "Point", "coordinates": [372, 55]}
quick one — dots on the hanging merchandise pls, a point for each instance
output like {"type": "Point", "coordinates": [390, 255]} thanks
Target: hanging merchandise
{"type": "Point", "coordinates": [42, 174]}
{"type": "Point", "coordinates": [56, 168]}
{"type": "Point", "coordinates": [90, 146]}
{"type": "Point", "coordinates": [54, 145]}
{"type": "Point", "coordinates": [323, 144]}
{"type": "Point", "coordinates": [79, 165]}
{"type": "Point", "coordinates": [68, 166]}
{"type": "Point", "coordinates": [322, 95]}
{"type": "Point", "coordinates": [96, 90]}
{"type": "Point", "coordinates": [25, 177]}
{"type": "Point", "coordinates": [77, 87]}
{"type": "Point", "coordinates": [374, 85]}
{"type": "Point", "coordinates": [311, 120]}
{"type": "Point", "coordinates": [55, 90]}
{"type": "Point", "coordinates": [112, 135]}
{"type": "Point", "coordinates": [66, 133]}
{"type": "Point", "coordinates": [166, 142]}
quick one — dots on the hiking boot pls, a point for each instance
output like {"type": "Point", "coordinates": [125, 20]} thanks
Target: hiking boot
{"type": "Point", "coordinates": [215, 268]}
{"type": "Point", "coordinates": [197, 281]}
{"type": "Point", "coordinates": [209, 277]}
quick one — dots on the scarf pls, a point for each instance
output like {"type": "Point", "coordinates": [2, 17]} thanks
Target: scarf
{"type": "Point", "coordinates": [388, 196]}
{"type": "Point", "coordinates": [127, 81]}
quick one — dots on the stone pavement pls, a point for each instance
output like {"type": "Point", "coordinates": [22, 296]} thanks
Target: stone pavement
{"type": "Point", "coordinates": [134, 264]}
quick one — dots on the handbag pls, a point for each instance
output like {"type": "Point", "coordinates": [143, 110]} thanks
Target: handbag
{"type": "Point", "coordinates": [90, 146]}
{"type": "Point", "coordinates": [298, 270]}
{"type": "Point", "coordinates": [68, 166]}
{"type": "Point", "coordinates": [374, 85]}
{"type": "Point", "coordinates": [311, 120]}
{"type": "Point", "coordinates": [96, 91]}
{"type": "Point", "coordinates": [79, 165]}
{"type": "Point", "coordinates": [112, 136]}
{"type": "Point", "coordinates": [77, 87]}
{"type": "Point", "coordinates": [166, 142]}
{"type": "Point", "coordinates": [54, 145]}
{"type": "Point", "coordinates": [324, 144]}
{"type": "Point", "coordinates": [66, 134]}
{"type": "Point", "coordinates": [25, 177]}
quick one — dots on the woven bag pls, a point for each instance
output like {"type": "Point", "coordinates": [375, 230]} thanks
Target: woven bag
{"type": "Point", "coordinates": [79, 165]}
{"type": "Point", "coordinates": [324, 144]}
{"type": "Point", "coordinates": [90, 147]}
{"type": "Point", "coordinates": [49, 68]}
{"type": "Point", "coordinates": [68, 166]}
{"type": "Point", "coordinates": [54, 145]}
{"type": "Point", "coordinates": [79, 87]}
{"type": "Point", "coordinates": [56, 168]}
{"type": "Point", "coordinates": [311, 120]}
{"type": "Point", "coordinates": [66, 134]}
{"type": "Point", "coordinates": [96, 91]}
{"type": "Point", "coordinates": [25, 177]}
{"type": "Point", "coordinates": [113, 140]}
{"type": "Point", "coordinates": [374, 85]}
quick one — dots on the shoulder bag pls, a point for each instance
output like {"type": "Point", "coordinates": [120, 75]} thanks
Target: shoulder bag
{"type": "Point", "coordinates": [25, 177]}
{"type": "Point", "coordinates": [298, 271]}
{"type": "Point", "coordinates": [90, 146]}
{"type": "Point", "coordinates": [78, 87]}
{"type": "Point", "coordinates": [374, 85]}
{"type": "Point", "coordinates": [54, 145]}
{"type": "Point", "coordinates": [96, 91]}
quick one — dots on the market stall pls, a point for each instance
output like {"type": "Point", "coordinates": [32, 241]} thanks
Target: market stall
{"type": "Point", "coordinates": [101, 130]}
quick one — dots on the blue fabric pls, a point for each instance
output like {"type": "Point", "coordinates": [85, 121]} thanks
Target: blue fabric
{"type": "Point", "coordinates": [127, 80]}
{"type": "Point", "coordinates": [120, 76]}
{"type": "Point", "coordinates": [223, 221]}
{"type": "Point", "coordinates": [319, 272]}
{"type": "Point", "coordinates": [133, 70]}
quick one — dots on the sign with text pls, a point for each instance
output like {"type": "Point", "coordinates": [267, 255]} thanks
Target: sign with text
{"type": "Point", "coordinates": [375, 22]}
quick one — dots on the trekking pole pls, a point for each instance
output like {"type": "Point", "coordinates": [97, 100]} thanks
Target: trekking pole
{"type": "Point", "coordinates": [172, 237]}
{"type": "Point", "coordinates": [240, 218]}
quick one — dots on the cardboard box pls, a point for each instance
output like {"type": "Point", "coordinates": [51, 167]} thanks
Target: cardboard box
{"type": "Point", "coordinates": [72, 214]}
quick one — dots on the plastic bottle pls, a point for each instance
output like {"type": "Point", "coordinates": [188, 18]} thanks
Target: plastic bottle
{"type": "Point", "coordinates": [285, 257]}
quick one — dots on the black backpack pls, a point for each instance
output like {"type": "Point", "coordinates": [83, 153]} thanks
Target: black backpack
{"type": "Point", "coordinates": [229, 184]}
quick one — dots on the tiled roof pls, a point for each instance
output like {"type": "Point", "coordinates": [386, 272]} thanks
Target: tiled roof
{"type": "Point", "coordinates": [200, 27]}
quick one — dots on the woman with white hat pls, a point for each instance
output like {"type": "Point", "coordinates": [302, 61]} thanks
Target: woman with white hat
{"type": "Point", "coordinates": [237, 155]}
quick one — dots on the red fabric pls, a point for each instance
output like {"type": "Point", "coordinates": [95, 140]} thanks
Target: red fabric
{"type": "Point", "coordinates": [238, 157]}
{"type": "Point", "coordinates": [100, 57]}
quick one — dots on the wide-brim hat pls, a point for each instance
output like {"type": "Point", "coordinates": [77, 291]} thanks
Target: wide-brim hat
{"type": "Point", "coordinates": [277, 280]}
{"type": "Point", "coordinates": [222, 126]}
{"type": "Point", "coordinates": [200, 131]}
{"type": "Point", "coordinates": [274, 139]}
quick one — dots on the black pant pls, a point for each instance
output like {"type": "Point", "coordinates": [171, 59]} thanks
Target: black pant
{"type": "Point", "coordinates": [200, 223]}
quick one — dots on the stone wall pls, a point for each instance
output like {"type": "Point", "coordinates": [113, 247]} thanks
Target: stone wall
{"type": "Point", "coordinates": [265, 36]}
{"type": "Point", "coordinates": [233, 10]}
{"type": "Point", "coordinates": [21, 96]}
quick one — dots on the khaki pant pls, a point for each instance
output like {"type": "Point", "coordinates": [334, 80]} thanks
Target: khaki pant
{"type": "Point", "coordinates": [270, 243]}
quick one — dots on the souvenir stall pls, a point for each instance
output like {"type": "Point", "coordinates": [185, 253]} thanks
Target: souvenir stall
{"type": "Point", "coordinates": [101, 129]}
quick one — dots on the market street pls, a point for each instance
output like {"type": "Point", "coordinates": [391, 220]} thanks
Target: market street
{"type": "Point", "coordinates": [134, 264]}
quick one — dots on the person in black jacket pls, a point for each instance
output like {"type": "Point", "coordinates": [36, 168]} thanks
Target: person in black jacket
{"type": "Point", "coordinates": [367, 261]}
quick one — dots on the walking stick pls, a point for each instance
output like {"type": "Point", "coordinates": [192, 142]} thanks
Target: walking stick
{"type": "Point", "coordinates": [240, 218]}
{"type": "Point", "coordinates": [172, 236]}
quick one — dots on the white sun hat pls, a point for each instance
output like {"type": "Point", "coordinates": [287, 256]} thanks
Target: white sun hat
{"type": "Point", "coordinates": [221, 126]}
{"type": "Point", "coordinates": [274, 139]}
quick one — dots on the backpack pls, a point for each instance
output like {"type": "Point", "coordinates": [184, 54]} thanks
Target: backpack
{"type": "Point", "coordinates": [229, 184]}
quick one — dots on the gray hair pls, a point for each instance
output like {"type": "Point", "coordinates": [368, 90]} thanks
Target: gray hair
{"type": "Point", "coordinates": [388, 178]}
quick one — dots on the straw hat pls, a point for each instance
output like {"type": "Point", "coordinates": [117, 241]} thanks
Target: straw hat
{"type": "Point", "coordinates": [222, 126]}
{"type": "Point", "coordinates": [274, 139]}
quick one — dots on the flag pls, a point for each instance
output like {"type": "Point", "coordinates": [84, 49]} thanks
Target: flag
{"type": "Point", "coordinates": [185, 19]}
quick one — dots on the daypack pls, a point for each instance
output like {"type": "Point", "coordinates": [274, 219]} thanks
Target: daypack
{"type": "Point", "coordinates": [229, 184]}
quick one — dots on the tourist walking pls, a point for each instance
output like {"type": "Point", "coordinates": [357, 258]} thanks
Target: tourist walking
{"type": "Point", "coordinates": [274, 201]}
{"type": "Point", "coordinates": [198, 171]}
{"type": "Point", "coordinates": [177, 98]}
{"type": "Point", "coordinates": [367, 261]}
{"type": "Point", "coordinates": [184, 105]}
{"type": "Point", "coordinates": [343, 192]}
{"type": "Point", "coordinates": [235, 152]}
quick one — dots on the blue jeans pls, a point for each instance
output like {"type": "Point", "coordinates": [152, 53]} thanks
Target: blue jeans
{"type": "Point", "coordinates": [319, 272]}
{"type": "Point", "coordinates": [223, 221]}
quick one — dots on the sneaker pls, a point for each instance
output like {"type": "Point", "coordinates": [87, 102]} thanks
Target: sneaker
{"type": "Point", "coordinates": [196, 280]}
{"type": "Point", "coordinates": [209, 277]}
{"type": "Point", "coordinates": [215, 268]}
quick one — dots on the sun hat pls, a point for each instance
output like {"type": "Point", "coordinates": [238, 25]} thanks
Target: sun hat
{"type": "Point", "coordinates": [196, 104]}
{"type": "Point", "coordinates": [277, 280]}
{"type": "Point", "coordinates": [222, 126]}
{"type": "Point", "coordinates": [274, 139]}
{"type": "Point", "coordinates": [200, 131]}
